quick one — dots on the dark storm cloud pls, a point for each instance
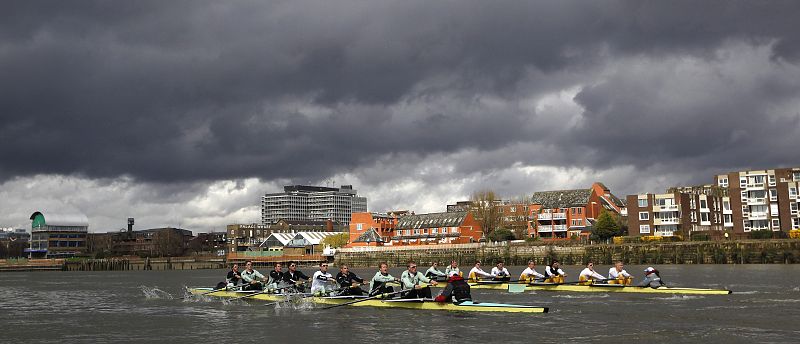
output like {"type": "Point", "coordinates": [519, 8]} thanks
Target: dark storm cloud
{"type": "Point", "coordinates": [185, 91]}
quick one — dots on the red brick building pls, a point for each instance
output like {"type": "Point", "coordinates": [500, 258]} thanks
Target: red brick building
{"type": "Point", "coordinates": [567, 213]}
{"type": "Point", "coordinates": [371, 229]}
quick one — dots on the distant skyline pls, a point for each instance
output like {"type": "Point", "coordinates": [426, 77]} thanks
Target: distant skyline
{"type": "Point", "coordinates": [186, 112]}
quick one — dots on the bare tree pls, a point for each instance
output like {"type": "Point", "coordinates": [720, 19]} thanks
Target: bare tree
{"type": "Point", "coordinates": [486, 209]}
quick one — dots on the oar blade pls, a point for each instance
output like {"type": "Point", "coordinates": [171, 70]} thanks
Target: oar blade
{"type": "Point", "coordinates": [516, 288]}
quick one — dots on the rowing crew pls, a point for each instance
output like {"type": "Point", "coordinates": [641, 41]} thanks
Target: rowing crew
{"type": "Point", "coordinates": [347, 282]}
{"type": "Point", "coordinates": [554, 274]}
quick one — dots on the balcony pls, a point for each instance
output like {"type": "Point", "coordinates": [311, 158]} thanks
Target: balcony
{"type": "Point", "coordinates": [544, 216]}
{"type": "Point", "coordinates": [757, 201]}
{"type": "Point", "coordinates": [545, 229]}
{"type": "Point", "coordinates": [559, 216]}
{"type": "Point", "coordinates": [664, 208]}
{"type": "Point", "coordinates": [672, 221]}
{"type": "Point", "coordinates": [755, 186]}
{"type": "Point", "coordinates": [758, 216]}
{"type": "Point", "coordinates": [559, 228]}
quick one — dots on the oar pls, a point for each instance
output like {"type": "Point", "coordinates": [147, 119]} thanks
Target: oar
{"type": "Point", "coordinates": [368, 298]}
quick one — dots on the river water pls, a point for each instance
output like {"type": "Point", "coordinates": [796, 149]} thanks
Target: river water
{"type": "Point", "coordinates": [145, 307]}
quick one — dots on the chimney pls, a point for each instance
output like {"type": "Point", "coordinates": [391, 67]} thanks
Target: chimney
{"type": "Point", "coordinates": [130, 224]}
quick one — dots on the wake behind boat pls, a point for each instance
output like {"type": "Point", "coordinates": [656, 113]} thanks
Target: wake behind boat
{"type": "Point", "coordinates": [415, 303]}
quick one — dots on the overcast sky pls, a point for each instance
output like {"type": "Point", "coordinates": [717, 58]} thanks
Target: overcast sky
{"type": "Point", "coordinates": [186, 112]}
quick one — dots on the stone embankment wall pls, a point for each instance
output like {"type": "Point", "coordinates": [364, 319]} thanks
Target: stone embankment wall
{"type": "Point", "coordinates": [708, 252]}
{"type": "Point", "coordinates": [115, 264]}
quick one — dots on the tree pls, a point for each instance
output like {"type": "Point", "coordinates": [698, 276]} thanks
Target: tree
{"type": "Point", "coordinates": [336, 240]}
{"type": "Point", "coordinates": [501, 234]}
{"type": "Point", "coordinates": [486, 211]}
{"type": "Point", "coordinates": [605, 227]}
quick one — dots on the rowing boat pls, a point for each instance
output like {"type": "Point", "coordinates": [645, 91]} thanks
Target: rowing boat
{"type": "Point", "coordinates": [605, 288]}
{"type": "Point", "coordinates": [425, 304]}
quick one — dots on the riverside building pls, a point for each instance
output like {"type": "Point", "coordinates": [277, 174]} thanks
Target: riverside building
{"type": "Point", "coordinates": [57, 235]}
{"type": "Point", "coordinates": [677, 212]}
{"type": "Point", "coordinates": [317, 203]}
{"type": "Point", "coordinates": [567, 213]}
{"type": "Point", "coordinates": [763, 199]}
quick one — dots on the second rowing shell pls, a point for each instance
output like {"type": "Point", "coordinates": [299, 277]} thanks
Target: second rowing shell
{"type": "Point", "coordinates": [605, 288]}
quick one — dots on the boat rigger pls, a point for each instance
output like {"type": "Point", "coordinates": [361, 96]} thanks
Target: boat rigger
{"type": "Point", "coordinates": [421, 303]}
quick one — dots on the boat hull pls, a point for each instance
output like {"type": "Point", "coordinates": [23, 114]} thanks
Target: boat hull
{"type": "Point", "coordinates": [423, 304]}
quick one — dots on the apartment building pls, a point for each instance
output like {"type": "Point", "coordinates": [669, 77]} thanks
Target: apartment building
{"type": "Point", "coordinates": [693, 209]}
{"type": "Point", "coordinates": [564, 213]}
{"type": "Point", "coordinates": [372, 229]}
{"type": "Point", "coordinates": [436, 228]}
{"type": "Point", "coordinates": [763, 199]}
{"type": "Point", "coordinates": [318, 203]}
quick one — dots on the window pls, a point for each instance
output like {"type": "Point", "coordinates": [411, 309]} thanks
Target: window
{"type": "Point", "coordinates": [743, 182]}
{"type": "Point", "coordinates": [703, 217]}
{"type": "Point", "coordinates": [574, 211]}
{"type": "Point", "coordinates": [580, 211]}
{"type": "Point", "coordinates": [728, 218]}
{"type": "Point", "coordinates": [773, 195]}
{"type": "Point", "coordinates": [691, 203]}
{"type": "Point", "coordinates": [771, 180]}
{"type": "Point", "coordinates": [444, 230]}
{"type": "Point", "coordinates": [513, 209]}
{"type": "Point", "coordinates": [643, 204]}
{"type": "Point", "coordinates": [644, 216]}
{"type": "Point", "coordinates": [644, 229]}
{"type": "Point", "coordinates": [703, 204]}
{"type": "Point", "coordinates": [792, 192]}
{"type": "Point", "coordinates": [793, 206]}
{"type": "Point", "coordinates": [723, 182]}
{"type": "Point", "coordinates": [776, 223]}
{"type": "Point", "coordinates": [796, 223]}
{"type": "Point", "coordinates": [434, 231]}
{"type": "Point", "coordinates": [726, 205]}
{"type": "Point", "coordinates": [796, 176]}
{"type": "Point", "coordinates": [693, 216]}
{"type": "Point", "coordinates": [360, 226]}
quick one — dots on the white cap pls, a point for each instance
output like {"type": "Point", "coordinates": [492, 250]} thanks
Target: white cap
{"type": "Point", "coordinates": [649, 269]}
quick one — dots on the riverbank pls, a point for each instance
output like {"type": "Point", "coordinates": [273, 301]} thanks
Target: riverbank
{"type": "Point", "coordinates": [781, 251]}
{"type": "Point", "coordinates": [113, 264]}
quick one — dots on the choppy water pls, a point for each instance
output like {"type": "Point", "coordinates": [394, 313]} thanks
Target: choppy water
{"type": "Point", "coordinates": [146, 307]}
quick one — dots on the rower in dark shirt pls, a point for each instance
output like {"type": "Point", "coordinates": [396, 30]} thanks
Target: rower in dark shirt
{"type": "Point", "coordinates": [349, 283]}
{"type": "Point", "coordinates": [295, 277]}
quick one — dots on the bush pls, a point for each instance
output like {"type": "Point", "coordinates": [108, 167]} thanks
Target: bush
{"type": "Point", "coordinates": [501, 235]}
{"type": "Point", "coordinates": [766, 234]}
{"type": "Point", "coordinates": [700, 237]}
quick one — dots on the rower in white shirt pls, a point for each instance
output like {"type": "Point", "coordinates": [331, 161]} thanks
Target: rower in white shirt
{"type": "Point", "coordinates": [529, 274]}
{"type": "Point", "coordinates": [618, 275]}
{"type": "Point", "coordinates": [589, 275]}
{"type": "Point", "coordinates": [500, 273]}
{"type": "Point", "coordinates": [477, 273]}
{"type": "Point", "coordinates": [322, 282]}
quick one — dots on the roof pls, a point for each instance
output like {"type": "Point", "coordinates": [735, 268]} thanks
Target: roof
{"type": "Point", "coordinates": [369, 236]}
{"type": "Point", "coordinates": [432, 220]}
{"type": "Point", "coordinates": [314, 237]}
{"type": "Point", "coordinates": [283, 238]}
{"type": "Point", "coordinates": [561, 198]}
{"type": "Point", "coordinates": [63, 219]}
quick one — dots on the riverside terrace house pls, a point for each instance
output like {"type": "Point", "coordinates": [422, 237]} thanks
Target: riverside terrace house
{"type": "Point", "coordinates": [763, 199]}
{"type": "Point", "coordinates": [249, 237]}
{"type": "Point", "coordinates": [680, 211]}
{"type": "Point", "coordinates": [564, 213]}
{"type": "Point", "coordinates": [56, 235]}
{"type": "Point", "coordinates": [428, 229]}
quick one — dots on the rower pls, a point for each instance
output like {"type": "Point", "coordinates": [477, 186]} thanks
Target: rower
{"type": "Point", "coordinates": [529, 274]}
{"type": "Point", "coordinates": [252, 278]}
{"type": "Point", "coordinates": [378, 283]}
{"type": "Point", "coordinates": [618, 275]}
{"type": "Point", "coordinates": [589, 276]}
{"type": "Point", "coordinates": [275, 276]}
{"type": "Point", "coordinates": [477, 273]}
{"type": "Point", "coordinates": [500, 273]}
{"type": "Point", "coordinates": [321, 281]}
{"type": "Point", "coordinates": [434, 273]}
{"type": "Point", "coordinates": [553, 273]}
{"type": "Point", "coordinates": [349, 283]}
{"type": "Point", "coordinates": [452, 267]}
{"type": "Point", "coordinates": [232, 279]}
{"type": "Point", "coordinates": [411, 278]}
{"type": "Point", "coordinates": [652, 278]}
{"type": "Point", "coordinates": [295, 277]}
{"type": "Point", "coordinates": [457, 290]}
